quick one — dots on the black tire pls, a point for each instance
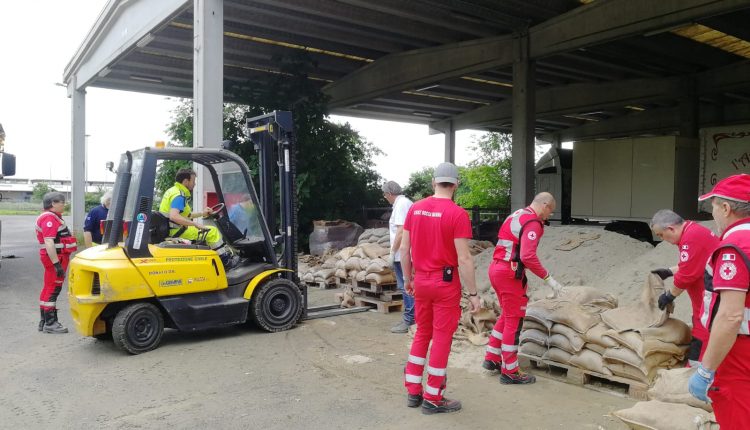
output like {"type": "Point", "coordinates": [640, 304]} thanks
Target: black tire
{"type": "Point", "coordinates": [276, 305]}
{"type": "Point", "coordinates": [138, 328]}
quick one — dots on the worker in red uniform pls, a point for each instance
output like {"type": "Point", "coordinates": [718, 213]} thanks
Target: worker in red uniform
{"type": "Point", "coordinates": [435, 259]}
{"type": "Point", "coordinates": [695, 243]}
{"type": "Point", "coordinates": [515, 252]}
{"type": "Point", "coordinates": [724, 373]}
{"type": "Point", "coordinates": [57, 243]}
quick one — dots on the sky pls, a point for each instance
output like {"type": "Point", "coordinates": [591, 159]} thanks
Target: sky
{"type": "Point", "coordinates": [38, 39]}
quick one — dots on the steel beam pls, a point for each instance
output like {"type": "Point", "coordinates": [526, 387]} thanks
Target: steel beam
{"type": "Point", "coordinates": [522, 146]}
{"type": "Point", "coordinates": [450, 145]}
{"type": "Point", "coordinates": [593, 24]}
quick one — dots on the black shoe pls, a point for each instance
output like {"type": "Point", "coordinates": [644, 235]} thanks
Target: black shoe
{"type": "Point", "coordinates": [413, 400]}
{"type": "Point", "coordinates": [443, 406]}
{"type": "Point", "coordinates": [41, 320]}
{"type": "Point", "coordinates": [492, 365]}
{"type": "Point", "coordinates": [517, 378]}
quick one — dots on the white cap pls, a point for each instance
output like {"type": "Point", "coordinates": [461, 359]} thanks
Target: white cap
{"type": "Point", "coordinates": [446, 172]}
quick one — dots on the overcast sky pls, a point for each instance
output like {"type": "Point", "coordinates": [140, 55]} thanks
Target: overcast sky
{"type": "Point", "coordinates": [38, 39]}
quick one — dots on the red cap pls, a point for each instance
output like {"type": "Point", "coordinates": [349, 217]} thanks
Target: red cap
{"type": "Point", "coordinates": [736, 187]}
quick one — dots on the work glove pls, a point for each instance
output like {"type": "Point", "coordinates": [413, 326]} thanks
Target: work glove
{"type": "Point", "coordinates": [554, 285]}
{"type": "Point", "coordinates": [390, 259]}
{"type": "Point", "coordinates": [665, 299]}
{"type": "Point", "coordinates": [663, 273]}
{"type": "Point", "coordinates": [700, 382]}
{"type": "Point", "coordinates": [59, 271]}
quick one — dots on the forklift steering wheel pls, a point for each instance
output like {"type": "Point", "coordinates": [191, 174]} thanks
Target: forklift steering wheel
{"type": "Point", "coordinates": [216, 210]}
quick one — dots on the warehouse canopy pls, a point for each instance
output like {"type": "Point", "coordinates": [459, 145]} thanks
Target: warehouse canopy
{"type": "Point", "coordinates": [601, 68]}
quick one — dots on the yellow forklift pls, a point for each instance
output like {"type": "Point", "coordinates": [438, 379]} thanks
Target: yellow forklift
{"type": "Point", "coordinates": [140, 281]}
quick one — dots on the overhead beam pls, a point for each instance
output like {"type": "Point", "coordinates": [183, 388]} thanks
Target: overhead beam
{"type": "Point", "coordinates": [578, 98]}
{"type": "Point", "coordinates": [584, 26]}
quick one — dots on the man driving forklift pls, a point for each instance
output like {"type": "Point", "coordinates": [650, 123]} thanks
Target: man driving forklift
{"type": "Point", "coordinates": [174, 205]}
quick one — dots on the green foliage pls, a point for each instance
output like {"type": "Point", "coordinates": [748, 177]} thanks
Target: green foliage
{"type": "Point", "coordinates": [39, 190]}
{"type": "Point", "coordinates": [92, 200]}
{"type": "Point", "coordinates": [486, 181]}
{"type": "Point", "coordinates": [420, 184]}
{"type": "Point", "coordinates": [335, 177]}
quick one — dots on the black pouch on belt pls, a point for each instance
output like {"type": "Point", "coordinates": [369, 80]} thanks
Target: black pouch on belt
{"type": "Point", "coordinates": [448, 274]}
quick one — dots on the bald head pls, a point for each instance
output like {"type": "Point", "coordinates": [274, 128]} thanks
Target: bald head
{"type": "Point", "coordinates": [544, 205]}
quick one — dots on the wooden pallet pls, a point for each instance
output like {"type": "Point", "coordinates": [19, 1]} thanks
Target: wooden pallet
{"type": "Point", "coordinates": [385, 296]}
{"type": "Point", "coordinates": [321, 285]}
{"type": "Point", "coordinates": [373, 287]}
{"type": "Point", "coordinates": [343, 282]}
{"type": "Point", "coordinates": [587, 378]}
{"type": "Point", "coordinates": [381, 306]}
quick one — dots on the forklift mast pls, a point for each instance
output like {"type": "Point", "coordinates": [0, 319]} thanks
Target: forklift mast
{"type": "Point", "coordinates": [276, 130]}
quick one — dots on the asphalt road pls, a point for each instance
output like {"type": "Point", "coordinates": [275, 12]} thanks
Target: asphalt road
{"type": "Point", "coordinates": [337, 373]}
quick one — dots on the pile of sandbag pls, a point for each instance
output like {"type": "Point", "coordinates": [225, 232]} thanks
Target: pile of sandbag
{"type": "Point", "coordinates": [586, 329]}
{"type": "Point", "coordinates": [375, 235]}
{"type": "Point", "coordinates": [364, 262]}
{"type": "Point", "coordinates": [331, 236]}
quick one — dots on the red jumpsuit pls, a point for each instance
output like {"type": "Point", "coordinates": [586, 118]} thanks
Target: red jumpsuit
{"type": "Point", "coordinates": [50, 225]}
{"type": "Point", "coordinates": [524, 227]}
{"type": "Point", "coordinates": [433, 224]}
{"type": "Point", "coordinates": [730, 270]}
{"type": "Point", "coordinates": [695, 245]}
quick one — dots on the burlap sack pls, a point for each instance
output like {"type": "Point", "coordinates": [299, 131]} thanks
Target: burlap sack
{"type": "Point", "coordinates": [655, 415]}
{"type": "Point", "coordinates": [340, 273]}
{"type": "Point", "coordinates": [672, 331]}
{"type": "Point", "coordinates": [531, 324]}
{"type": "Point", "coordinates": [594, 347]}
{"type": "Point", "coordinates": [575, 340]}
{"type": "Point", "coordinates": [574, 316]}
{"type": "Point", "coordinates": [622, 355]}
{"type": "Point", "coordinates": [373, 251]}
{"type": "Point", "coordinates": [352, 263]}
{"type": "Point", "coordinates": [589, 360]}
{"type": "Point", "coordinates": [652, 346]}
{"type": "Point", "coordinates": [629, 339]}
{"type": "Point", "coordinates": [378, 266]}
{"type": "Point", "coordinates": [308, 277]}
{"type": "Point", "coordinates": [540, 311]}
{"type": "Point", "coordinates": [589, 296]}
{"type": "Point", "coordinates": [381, 278]}
{"type": "Point", "coordinates": [361, 276]}
{"type": "Point", "coordinates": [626, 371]}
{"type": "Point", "coordinates": [346, 253]}
{"type": "Point", "coordinates": [534, 349]}
{"type": "Point", "coordinates": [330, 263]}
{"type": "Point", "coordinates": [341, 264]}
{"type": "Point", "coordinates": [324, 273]}
{"type": "Point", "coordinates": [560, 341]}
{"type": "Point", "coordinates": [643, 314]}
{"type": "Point", "coordinates": [536, 336]}
{"type": "Point", "coordinates": [557, 355]}
{"type": "Point", "coordinates": [671, 386]}
{"type": "Point", "coordinates": [596, 334]}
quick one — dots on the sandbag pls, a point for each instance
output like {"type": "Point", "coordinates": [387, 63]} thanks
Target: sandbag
{"type": "Point", "coordinates": [531, 324]}
{"type": "Point", "coordinates": [596, 334]}
{"type": "Point", "coordinates": [534, 349]}
{"type": "Point", "coordinates": [341, 264]}
{"type": "Point", "coordinates": [536, 336]}
{"type": "Point", "coordinates": [671, 331]}
{"type": "Point", "coordinates": [557, 355]}
{"type": "Point", "coordinates": [560, 341]}
{"type": "Point", "coordinates": [626, 371]}
{"type": "Point", "coordinates": [308, 277]}
{"type": "Point", "coordinates": [652, 346]}
{"type": "Point", "coordinates": [643, 314]}
{"type": "Point", "coordinates": [333, 235]}
{"type": "Point", "coordinates": [589, 360]}
{"type": "Point", "coordinates": [330, 263]}
{"type": "Point", "coordinates": [622, 355]}
{"type": "Point", "coordinates": [373, 251]}
{"type": "Point", "coordinates": [346, 253]}
{"type": "Point", "coordinates": [671, 386]}
{"type": "Point", "coordinates": [381, 278]}
{"type": "Point", "coordinates": [658, 415]}
{"type": "Point", "coordinates": [324, 273]}
{"type": "Point", "coordinates": [378, 266]}
{"type": "Point", "coordinates": [574, 316]}
{"type": "Point", "coordinates": [589, 296]}
{"type": "Point", "coordinates": [352, 263]}
{"type": "Point", "coordinates": [361, 276]}
{"type": "Point", "coordinates": [594, 347]}
{"type": "Point", "coordinates": [574, 338]}
{"type": "Point", "coordinates": [340, 273]}
{"type": "Point", "coordinates": [629, 339]}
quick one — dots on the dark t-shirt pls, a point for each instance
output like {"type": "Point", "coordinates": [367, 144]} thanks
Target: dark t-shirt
{"type": "Point", "coordinates": [91, 224]}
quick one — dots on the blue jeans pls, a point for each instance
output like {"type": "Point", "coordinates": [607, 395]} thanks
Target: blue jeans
{"type": "Point", "coordinates": [408, 300]}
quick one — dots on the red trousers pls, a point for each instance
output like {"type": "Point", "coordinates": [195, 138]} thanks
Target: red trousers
{"type": "Point", "coordinates": [730, 392]}
{"type": "Point", "coordinates": [511, 293]}
{"type": "Point", "coordinates": [52, 284]}
{"type": "Point", "coordinates": [437, 309]}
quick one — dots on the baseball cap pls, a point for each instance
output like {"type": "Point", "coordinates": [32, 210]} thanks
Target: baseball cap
{"type": "Point", "coordinates": [735, 187]}
{"type": "Point", "coordinates": [446, 172]}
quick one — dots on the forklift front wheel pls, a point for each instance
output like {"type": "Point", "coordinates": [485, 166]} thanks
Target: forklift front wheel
{"type": "Point", "coordinates": [138, 328]}
{"type": "Point", "coordinates": [276, 305]}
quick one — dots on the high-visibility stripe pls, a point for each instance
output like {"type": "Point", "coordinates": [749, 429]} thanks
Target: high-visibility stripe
{"type": "Point", "coordinates": [492, 350]}
{"type": "Point", "coordinates": [741, 227]}
{"type": "Point", "coordinates": [497, 335]}
{"type": "Point", "coordinates": [744, 328]}
{"type": "Point", "coordinates": [511, 366]}
{"type": "Point", "coordinates": [414, 379]}
{"type": "Point", "coordinates": [435, 371]}
{"type": "Point", "coordinates": [416, 360]}
{"type": "Point", "coordinates": [432, 390]}
{"type": "Point", "coordinates": [707, 296]}
{"type": "Point", "coordinates": [48, 304]}
{"type": "Point", "coordinates": [507, 246]}
{"type": "Point", "coordinates": [509, 348]}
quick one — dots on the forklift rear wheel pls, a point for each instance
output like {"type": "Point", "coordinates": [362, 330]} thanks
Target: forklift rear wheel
{"type": "Point", "coordinates": [276, 305]}
{"type": "Point", "coordinates": [138, 328]}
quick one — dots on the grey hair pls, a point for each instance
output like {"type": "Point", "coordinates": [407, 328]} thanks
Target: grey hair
{"type": "Point", "coordinates": [51, 197]}
{"type": "Point", "coordinates": [665, 218]}
{"type": "Point", "coordinates": [391, 187]}
{"type": "Point", "coordinates": [742, 209]}
{"type": "Point", "coordinates": [106, 197]}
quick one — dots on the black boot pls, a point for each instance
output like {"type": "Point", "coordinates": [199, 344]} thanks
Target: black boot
{"type": "Point", "coordinates": [41, 319]}
{"type": "Point", "coordinates": [51, 325]}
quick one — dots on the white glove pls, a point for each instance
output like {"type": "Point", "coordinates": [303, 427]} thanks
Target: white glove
{"type": "Point", "coordinates": [554, 285]}
{"type": "Point", "coordinates": [390, 259]}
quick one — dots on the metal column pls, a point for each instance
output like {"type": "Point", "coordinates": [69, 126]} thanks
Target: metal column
{"type": "Point", "coordinates": [522, 169]}
{"type": "Point", "coordinates": [208, 83]}
{"type": "Point", "coordinates": [450, 143]}
{"type": "Point", "coordinates": [77, 155]}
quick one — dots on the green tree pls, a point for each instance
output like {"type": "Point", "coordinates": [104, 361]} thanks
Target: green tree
{"type": "Point", "coordinates": [39, 190]}
{"type": "Point", "coordinates": [420, 184]}
{"type": "Point", "coordinates": [92, 200]}
{"type": "Point", "coordinates": [335, 177]}
{"type": "Point", "coordinates": [486, 181]}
